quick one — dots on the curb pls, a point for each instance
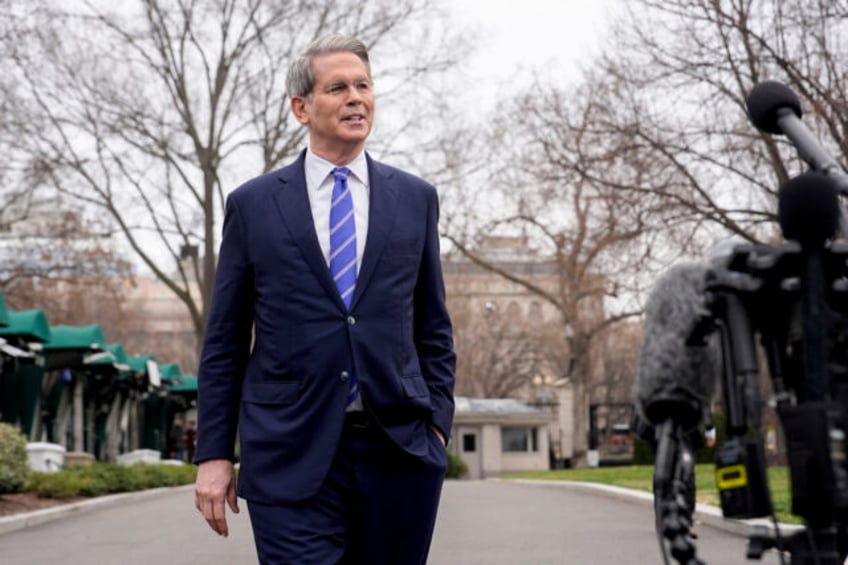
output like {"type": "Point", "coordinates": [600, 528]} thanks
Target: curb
{"type": "Point", "coordinates": [709, 515]}
{"type": "Point", "coordinates": [28, 519]}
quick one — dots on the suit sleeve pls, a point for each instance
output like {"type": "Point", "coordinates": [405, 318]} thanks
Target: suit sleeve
{"type": "Point", "coordinates": [432, 325]}
{"type": "Point", "coordinates": [226, 344]}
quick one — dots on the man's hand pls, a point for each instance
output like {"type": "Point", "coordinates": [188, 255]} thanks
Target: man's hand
{"type": "Point", "coordinates": [216, 482]}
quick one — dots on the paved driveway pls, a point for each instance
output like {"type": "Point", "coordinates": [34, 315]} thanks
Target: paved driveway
{"type": "Point", "coordinates": [480, 522]}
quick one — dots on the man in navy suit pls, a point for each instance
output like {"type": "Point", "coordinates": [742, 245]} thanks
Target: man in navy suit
{"type": "Point", "coordinates": [329, 346]}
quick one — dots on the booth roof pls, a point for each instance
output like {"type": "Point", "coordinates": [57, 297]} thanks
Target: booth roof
{"type": "Point", "coordinates": [75, 337]}
{"type": "Point", "coordinates": [114, 354]}
{"type": "Point", "coordinates": [170, 372]}
{"type": "Point", "coordinates": [186, 383]}
{"type": "Point", "coordinates": [31, 325]}
{"type": "Point", "coordinates": [139, 362]}
{"type": "Point", "coordinates": [117, 351]}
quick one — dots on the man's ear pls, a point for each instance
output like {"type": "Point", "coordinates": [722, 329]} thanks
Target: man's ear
{"type": "Point", "coordinates": [298, 107]}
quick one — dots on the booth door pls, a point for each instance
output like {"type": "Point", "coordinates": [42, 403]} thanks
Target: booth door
{"type": "Point", "coordinates": [468, 446]}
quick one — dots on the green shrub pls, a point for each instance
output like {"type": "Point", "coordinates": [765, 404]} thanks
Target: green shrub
{"type": "Point", "coordinates": [14, 461]}
{"type": "Point", "coordinates": [643, 453]}
{"type": "Point", "coordinates": [105, 478]}
{"type": "Point", "coordinates": [152, 476]}
{"type": "Point", "coordinates": [64, 484]}
{"type": "Point", "coordinates": [456, 466]}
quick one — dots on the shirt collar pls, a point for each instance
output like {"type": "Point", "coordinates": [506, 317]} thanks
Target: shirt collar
{"type": "Point", "coordinates": [318, 169]}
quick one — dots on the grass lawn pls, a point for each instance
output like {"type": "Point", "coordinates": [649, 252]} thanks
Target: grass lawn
{"type": "Point", "coordinates": [639, 477]}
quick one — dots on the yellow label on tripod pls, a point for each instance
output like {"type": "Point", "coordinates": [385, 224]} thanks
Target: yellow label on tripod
{"type": "Point", "coordinates": [733, 476]}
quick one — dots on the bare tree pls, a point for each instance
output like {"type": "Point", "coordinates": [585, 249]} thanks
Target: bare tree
{"type": "Point", "coordinates": [682, 70]}
{"type": "Point", "coordinates": [620, 345]}
{"type": "Point", "coordinates": [20, 175]}
{"type": "Point", "coordinates": [597, 238]}
{"type": "Point", "coordinates": [55, 259]}
{"type": "Point", "coordinates": [498, 353]}
{"type": "Point", "coordinates": [611, 388]}
{"type": "Point", "coordinates": [653, 156]}
{"type": "Point", "coordinates": [150, 112]}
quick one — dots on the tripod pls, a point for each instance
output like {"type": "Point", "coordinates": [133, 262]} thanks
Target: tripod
{"type": "Point", "coordinates": [673, 501]}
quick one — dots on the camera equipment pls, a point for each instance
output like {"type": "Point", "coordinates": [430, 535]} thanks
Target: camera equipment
{"type": "Point", "coordinates": [774, 298]}
{"type": "Point", "coordinates": [674, 387]}
{"type": "Point", "coordinates": [741, 479]}
{"type": "Point", "coordinates": [793, 299]}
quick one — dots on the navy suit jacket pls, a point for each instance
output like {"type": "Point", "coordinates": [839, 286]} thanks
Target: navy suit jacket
{"type": "Point", "coordinates": [287, 388]}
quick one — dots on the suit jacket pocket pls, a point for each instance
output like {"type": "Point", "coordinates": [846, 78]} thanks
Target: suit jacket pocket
{"type": "Point", "coordinates": [415, 386]}
{"type": "Point", "coordinates": [284, 392]}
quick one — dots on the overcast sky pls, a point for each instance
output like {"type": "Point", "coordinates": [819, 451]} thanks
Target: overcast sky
{"type": "Point", "coordinates": [518, 37]}
{"type": "Point", "coordinates": [514, 39]}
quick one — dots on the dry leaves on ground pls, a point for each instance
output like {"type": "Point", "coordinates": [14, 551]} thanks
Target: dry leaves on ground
{"type": "Point", "coordinates": [28, 502]}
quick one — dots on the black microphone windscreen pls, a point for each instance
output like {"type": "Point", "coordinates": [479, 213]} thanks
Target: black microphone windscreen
{"type": "Point", "coordinates": [676, 377]}
{"type": "Point", "coordinates": [764, 101]}
{"type": "Point", "coordinates": [808, 207]}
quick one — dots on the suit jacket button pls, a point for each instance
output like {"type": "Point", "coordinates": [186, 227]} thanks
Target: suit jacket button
{"type": "Point", "coordinates": [351, 320]}
{"type": "Point", "coordinates": [344, 376]}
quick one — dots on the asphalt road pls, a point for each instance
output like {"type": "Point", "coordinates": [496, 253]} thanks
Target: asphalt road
{"type": "Point", "coordinates": [480, 522]}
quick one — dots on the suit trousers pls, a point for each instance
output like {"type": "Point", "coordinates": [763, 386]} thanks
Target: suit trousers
{"type": "Point", "coordinates": [377, 506]}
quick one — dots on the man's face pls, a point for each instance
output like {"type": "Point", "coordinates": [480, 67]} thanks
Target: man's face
{"type": "Point", "coordinates": [340, 111]}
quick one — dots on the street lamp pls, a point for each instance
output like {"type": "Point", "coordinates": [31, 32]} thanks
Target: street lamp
{"type": "Point", "coordinates": [542, 380]}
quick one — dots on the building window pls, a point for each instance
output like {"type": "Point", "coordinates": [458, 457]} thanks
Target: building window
{"type": "Point", "coordinates": [513, 311]}
{"type": "Point", "coordinates": [469, 443]}
{"type": "Point", "coordinates": [518, 440]}
{"type": "Point", "coordinates": [535, 311]}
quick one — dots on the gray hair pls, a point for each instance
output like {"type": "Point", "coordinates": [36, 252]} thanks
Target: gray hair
{"type": "Point", "coordinates": [301, 80]}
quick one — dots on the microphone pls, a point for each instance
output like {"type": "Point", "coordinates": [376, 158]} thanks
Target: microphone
{"type": "Point", "coordinates": [676, 377]}
{"type": "Point", "coordinates": [774, 108]}
{"type": "Point", "coordinates": [674, 385]}
{"type": "Point", "coordinates": [808, 208]}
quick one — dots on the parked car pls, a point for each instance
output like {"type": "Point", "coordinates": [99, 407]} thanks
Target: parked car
{"type": "Point", "coordinates": [618, 447]}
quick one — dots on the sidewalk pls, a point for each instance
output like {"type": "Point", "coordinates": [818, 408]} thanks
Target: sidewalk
{"type": "Point", "coordinates": [37, 517]}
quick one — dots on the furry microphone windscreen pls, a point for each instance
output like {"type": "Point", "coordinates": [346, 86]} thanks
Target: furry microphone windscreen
{"type": "Point", "coordinates": [676, 378]}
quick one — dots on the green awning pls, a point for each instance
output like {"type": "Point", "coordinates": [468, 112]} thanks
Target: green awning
{"type": "Point", "coordinates": [4, 313]}
{"type": "Point", "coordinates": [170, 372]}
{"type": "Point", "coordinates": [135, 367]}
{"type": "Point", "coordinates": [138, 363]}
{"type": "Point", "coordinates": [113, 354]}
{"type": "Point", "coordinates": [117, 351]}
{"type": "Point", "coordinates": [30, 325]}
{"type": "Point", "coordinates": [186, 383]}
{"type": "Point", "coordinates": [76, 337]}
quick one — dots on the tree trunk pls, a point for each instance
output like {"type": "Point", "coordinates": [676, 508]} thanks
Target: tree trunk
{"type": "Point", "coordinates": [582, 374]}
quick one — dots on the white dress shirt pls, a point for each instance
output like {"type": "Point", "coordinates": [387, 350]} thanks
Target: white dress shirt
{"type": "Point", "coordinates": [319, 187]}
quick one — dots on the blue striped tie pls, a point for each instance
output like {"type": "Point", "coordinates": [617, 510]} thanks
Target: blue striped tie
{"type": "Point", "coordinates": [343, 249]}
{"type": "Point", "coordinates": [342, 237]}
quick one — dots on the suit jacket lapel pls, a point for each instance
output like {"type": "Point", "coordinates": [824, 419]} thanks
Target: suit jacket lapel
{"type": "Point", "coordinates": [293, 203]}
{"type": "Point", "coordinates": [382, 201]}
